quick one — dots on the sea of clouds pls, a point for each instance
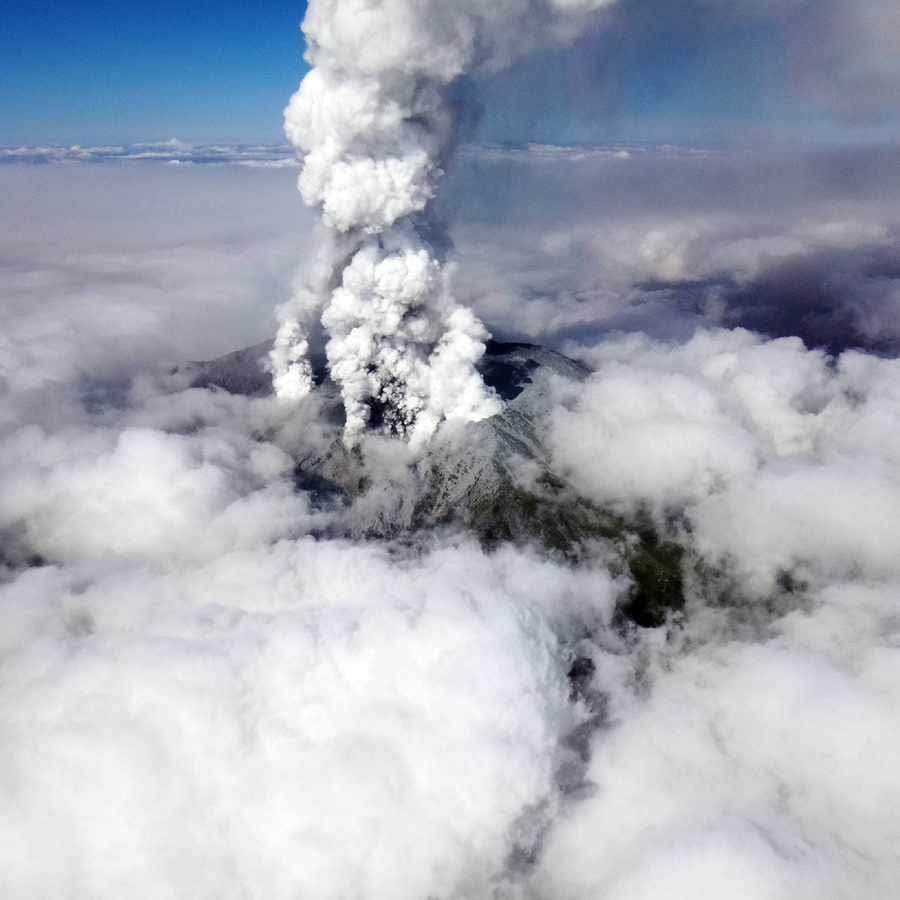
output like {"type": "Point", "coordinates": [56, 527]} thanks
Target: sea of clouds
{"type": "Point", "coordinates": [174, 152]}
{"type": "Point", "coordinates": [205, 691]}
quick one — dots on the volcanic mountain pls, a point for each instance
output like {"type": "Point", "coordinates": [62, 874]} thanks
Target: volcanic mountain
{"type": "Point", "coordinates": [493, 479]}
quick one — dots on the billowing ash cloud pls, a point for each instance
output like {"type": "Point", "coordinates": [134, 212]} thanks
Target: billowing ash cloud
{"type": "Point", "coordinates": [374, 123]}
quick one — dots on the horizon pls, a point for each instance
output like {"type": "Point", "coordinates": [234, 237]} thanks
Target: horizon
{"type": "Point", "coordinates": [102, 74]}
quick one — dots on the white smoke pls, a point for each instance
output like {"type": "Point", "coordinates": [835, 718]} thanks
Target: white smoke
{"type": "Point", "coordinates": [374, 122]}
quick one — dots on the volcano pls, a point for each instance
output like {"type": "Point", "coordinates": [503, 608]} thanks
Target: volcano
{"type": "Point", "coordinates": [493, 479]}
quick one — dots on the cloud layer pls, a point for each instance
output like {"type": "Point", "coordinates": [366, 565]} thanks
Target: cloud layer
{"type": "Point", "coordinates": [173, 151]}
{"type": "Point", "coordinates": [664, 240]}
{"type": "Point", "coordinates": [209, 689]}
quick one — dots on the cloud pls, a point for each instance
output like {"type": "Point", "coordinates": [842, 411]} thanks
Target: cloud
{"type": "Point", "coordinates": [757, 768]}
{"type": "Point", "coordinates": [202, 691]}
{"type": "Point", "coordinates": [174, 151]}
{"type": "Point", "coordinates": [110, 271]}
{"type": "Point", "coordinates": [212, 684]}
{"type": "Point", "coordinates": [767, 450]}
{"type": "Point", "coordinates": [665, 241]}
{"type": "Point", "coordinates": [304, 716]}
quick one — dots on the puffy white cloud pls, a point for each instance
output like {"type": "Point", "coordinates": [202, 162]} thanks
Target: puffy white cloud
{"type": "Point", "coordinates": [762, 769]}
{"type": "Point", "coordinates": [769, 451]}
{"type": "Point", "coordinates": [310, 716]}
{"type": "Point", "coordinates": [141, 492]}
{"type": "Point", "coordinates": [433, 40]}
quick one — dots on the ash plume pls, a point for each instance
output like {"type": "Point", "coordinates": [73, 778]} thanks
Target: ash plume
{"type": "Point", "coordinates": [374, 123]}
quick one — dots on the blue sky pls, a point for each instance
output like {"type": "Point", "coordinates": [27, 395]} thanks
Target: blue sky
{"type": "Point", "coordinates": [99, 72]}
{"type": "Point", "coordinates": [691, 71]}
{"type": "Point", "coordinates": [96, 71]}
{"type": "Point", "coordinates": [658, 82]}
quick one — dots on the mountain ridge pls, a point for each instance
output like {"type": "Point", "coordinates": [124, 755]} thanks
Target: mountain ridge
{"type": "Point", "coordinates": [494, 479]}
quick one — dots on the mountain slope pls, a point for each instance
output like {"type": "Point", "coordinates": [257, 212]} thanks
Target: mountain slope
{"type": "Point", "coordinates": [493, 478]}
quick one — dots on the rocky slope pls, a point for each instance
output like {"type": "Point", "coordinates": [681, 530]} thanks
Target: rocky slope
{"type": "Point", "coordinates": [493, 478]}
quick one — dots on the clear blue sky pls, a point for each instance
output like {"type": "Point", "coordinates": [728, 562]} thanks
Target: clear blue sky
{"type": "Point", "coordinates": [98, 72]}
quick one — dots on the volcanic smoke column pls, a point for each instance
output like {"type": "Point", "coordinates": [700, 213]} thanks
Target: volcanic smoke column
{"type": "Point", "coordinates": [373, 124]}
